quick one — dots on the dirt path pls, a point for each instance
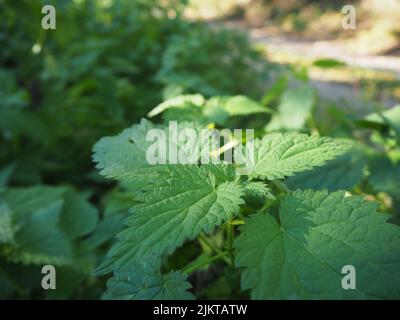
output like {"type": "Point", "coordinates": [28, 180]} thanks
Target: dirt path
{"type": "Point", "coordinates": [329, 89]}
{"type": "Point", "coordinates": [334, 49]}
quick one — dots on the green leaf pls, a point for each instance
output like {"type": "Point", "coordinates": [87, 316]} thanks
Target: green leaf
{"type": "Point", "coordinates": [181, 108]}
{"type": "Point", "coordinates": [44, 221]}
{"type": "Point", "coordinates": [144, 282]}
{"type": "Point", "coordinates": [178, 206]}
{"type": "Point", "coordinates": [79, 217]}
{"type": "Point", "coordinates": [275, 91]}
{"type": "Point", "coordinates": [24, 201]}
{"type": "Point", "coordinates": [217, 109]}
{"type": "Point", "coordinates": [68, 280]}
{"type": "Point", "coordinates": [40, 240]}
{"type": "Point", "coordinates": [389, 117]}
{"type": "Point", "coordinates": [180, 102]}
{"type": "Point", "coordinates": [5, 175]}
{"type": "Point", "coordinates": [220, 108]}
{"type": "Point", "coordinates": [342, 173]}
{"type": "Point", "coordinates": [119, 200]}
{"type": "Point", "coordinates": [6, 227]}
{"type": "Point", "coordinates": [25, 123]}
{"type": "Point", "coordinates": [283, 154]}
{"type": "Point", "coordinates": [123, 157]}
{"type": "Point", "coordinates": [234, 106]}
{"type": "Point", "coordinates": [302, 255]}
{"type": "Point", "coordinates": [329, 63]}
{"type": "Point", "coordinates": [257, 189]}
{"type": "Point", "coordinates": [186, 113]}
{"type": "Point", "coordinates": [385, 176]}
{"type": "Point", "coordinates": [294, 108]}
{"type": "Point", "coordinates": [105, 231]}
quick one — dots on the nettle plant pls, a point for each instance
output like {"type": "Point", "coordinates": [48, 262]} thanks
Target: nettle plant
{"type": "Point", "coordinates": [290, 245]}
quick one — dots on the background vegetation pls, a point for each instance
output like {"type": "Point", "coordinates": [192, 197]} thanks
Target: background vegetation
{"type": "Point", "coordinates": [109, 63]}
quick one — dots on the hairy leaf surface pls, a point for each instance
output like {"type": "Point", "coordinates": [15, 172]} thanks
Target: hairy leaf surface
{"type": "Point", "coordinates": [343, 172]}
{"type": "Point", "coordinates": [187, 200]}
{"type": "Point", "coordinates": [301, 257]}
{"type": "Point", "coordinates": [144, 282]}
{"type": "Point", "coordinates": [279, 155]}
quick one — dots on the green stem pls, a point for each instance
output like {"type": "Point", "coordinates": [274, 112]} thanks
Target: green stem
{"type": "Point", "coordinates": [312, 124]}
{"type": "Point", "coordinates": [230, 237]}
{"type": "Point", "coordinates": [214, 248]}
{"type": "Point", "coordinates": [266, 205]}
{"type": "Point", "coordinates": [199, 265]}
{"type": "Point", "coordinates": [281, 186]}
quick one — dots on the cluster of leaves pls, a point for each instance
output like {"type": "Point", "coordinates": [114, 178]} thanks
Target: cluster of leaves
{"type": "Point", "coordinates": [102, 68]}
{"type": "Point", "coordinates": [371, 167]}
{"type": "Point", "coordinates": [105, 66]}
{"type": "Point", "coordinates": [291, 245]}
{"type": "Point", "coordinates": [190, 230]}
{"type": "Point", "coordinates": [43, 225]}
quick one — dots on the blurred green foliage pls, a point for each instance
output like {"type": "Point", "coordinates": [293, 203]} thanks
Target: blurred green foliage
{"type": "Point", "coordinates": [103, 68]}
{"type": "Point", "coordinates": [105, 65]}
